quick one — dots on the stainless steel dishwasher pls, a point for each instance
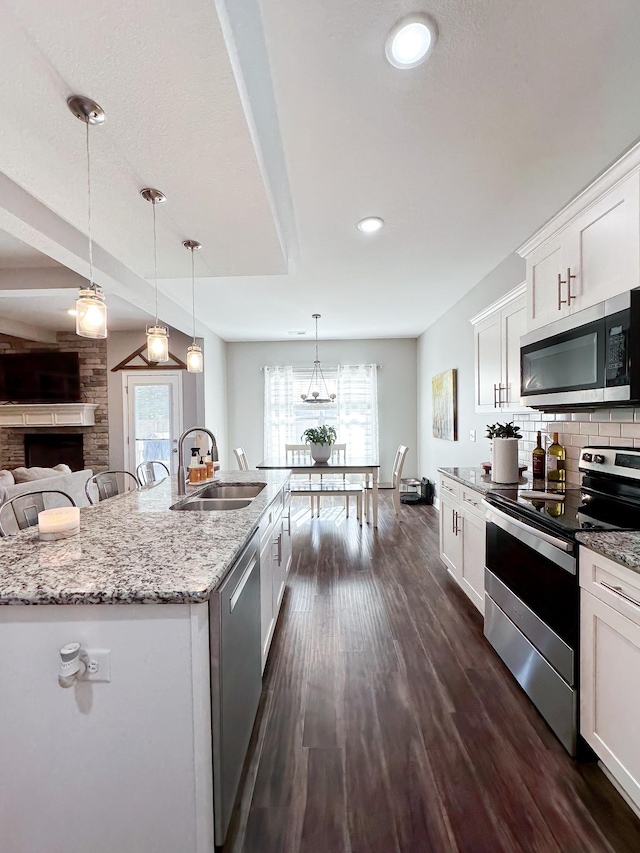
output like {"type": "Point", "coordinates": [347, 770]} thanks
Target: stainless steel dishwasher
{"type": "Point", "coordinates": [236, 679]}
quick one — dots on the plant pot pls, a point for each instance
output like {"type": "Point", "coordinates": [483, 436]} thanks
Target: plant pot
{"type": "Point", "coordinates": [320, 452]}
{"type": "Point", "coordinates": [504, 460]}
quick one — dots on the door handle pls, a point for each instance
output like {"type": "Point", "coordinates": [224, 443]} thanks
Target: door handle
{"type": "Point", "coordinates": [496, 402]}
{"type": "Point", "coordinates": [561, 301]}
{"type": "Point", "coordinates": [569, 295]}
{"type": "Point", "coordinates": [620, 591]}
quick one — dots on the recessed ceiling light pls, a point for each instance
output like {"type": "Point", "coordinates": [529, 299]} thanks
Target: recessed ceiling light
{"type": "Point", "coordinates": [371, 224]}
{"type": "Point", "coordinates": [411, 41]}
{"type": "Point", "coordinates": [72, 311]}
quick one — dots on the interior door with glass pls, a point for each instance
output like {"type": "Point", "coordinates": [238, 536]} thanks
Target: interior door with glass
{"type": "Point", "coordinates": [152, 417]}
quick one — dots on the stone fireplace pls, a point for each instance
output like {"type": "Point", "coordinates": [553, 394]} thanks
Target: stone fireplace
{"type": "Point", "coordinates": [85, 446]}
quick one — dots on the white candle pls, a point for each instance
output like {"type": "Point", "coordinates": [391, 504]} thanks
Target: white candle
{"type": "Point", "coordinates": [59, 522]}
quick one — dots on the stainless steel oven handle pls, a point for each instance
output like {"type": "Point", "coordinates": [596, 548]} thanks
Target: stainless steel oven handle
{"type": "Point", "coordinates": [557, 550]}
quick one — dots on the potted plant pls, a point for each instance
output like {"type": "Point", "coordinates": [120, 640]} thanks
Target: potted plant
{"type": "Point", "coordinates": [320, 440]}
{"type": "Point", "coordinates": [504, 452]}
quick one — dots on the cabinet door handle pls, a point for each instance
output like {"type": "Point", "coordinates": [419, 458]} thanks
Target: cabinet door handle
{"type": "Point", "coordinates": [619, 591]}
{"type": "Point", "coordinates": [569, 294]}
{"type": "Point", "coordinates": [561, 301]}
{"type": "Point", "coordinates": [453, 521]}
{"type": "Point", "coordinates": [457, 530]}
{"type": "Point", "coordinates": [496, 401]}
{"type": "Point", "coordinates": [278, 543]}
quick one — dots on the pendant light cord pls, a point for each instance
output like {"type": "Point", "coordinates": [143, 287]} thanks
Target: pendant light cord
{"type": "Point", "coordinates": [155, 257]}
{"type": "Point", "coordinates": [92, 285]}
{"type": "Point", "coordinates": [193, 296]}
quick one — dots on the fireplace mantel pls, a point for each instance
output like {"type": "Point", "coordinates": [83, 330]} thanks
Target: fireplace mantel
{"type": "Point", "coordinates": [47, 414]}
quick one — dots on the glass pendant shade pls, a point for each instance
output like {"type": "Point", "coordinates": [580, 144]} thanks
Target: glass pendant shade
{"type": "Point", "coordinates": [194, 358]}
{"type": "Point", "coordinates": [91, 314]}
{"type": "Point", "coordinates": [158, 344]}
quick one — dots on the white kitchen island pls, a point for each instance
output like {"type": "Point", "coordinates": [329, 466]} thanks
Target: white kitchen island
{"type": "Point", "coordinates": [123, 762]}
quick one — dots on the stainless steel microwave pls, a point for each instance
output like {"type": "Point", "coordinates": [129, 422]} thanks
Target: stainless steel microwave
{"type": "Point", "coordinates": [589, 359]}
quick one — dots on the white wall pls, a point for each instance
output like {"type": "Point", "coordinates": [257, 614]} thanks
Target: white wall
{"type": "Point", "coordinates": [214, 399]}
{"type": "Point", "coordinates": [204, 393]}
{"type": "Point", "coordinates": [447, 344]}
{"type": "Point", "coordinates": [396, 389]}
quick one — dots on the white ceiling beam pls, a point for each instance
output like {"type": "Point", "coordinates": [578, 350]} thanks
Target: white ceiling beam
{"type": "Point", "coordinates": [242, 30]}
{"type": "Point", "coordinates": [26, 218]}
{"type": "Point", "coordinates": [38, 279]}
{"type": "Point", "coordinates": [17, 329]}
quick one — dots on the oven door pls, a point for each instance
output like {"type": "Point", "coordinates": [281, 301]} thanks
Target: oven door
{"type": "Point", "coordinates": [532, 616]}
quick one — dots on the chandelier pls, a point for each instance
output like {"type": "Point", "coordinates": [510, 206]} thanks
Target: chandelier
{"type": "Point", "coordinates": [317, 377]}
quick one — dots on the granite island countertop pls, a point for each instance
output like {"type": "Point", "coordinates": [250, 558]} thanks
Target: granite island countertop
{"type": "Point", "coordinates": [132, 549]}
{"type": "Point", "coordinates": [476, 479]}
{"type": "Point", "coordinates": [618, 545]}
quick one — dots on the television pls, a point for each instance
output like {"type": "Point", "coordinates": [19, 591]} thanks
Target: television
{"type": "Point", "coordinates": [40, 377]}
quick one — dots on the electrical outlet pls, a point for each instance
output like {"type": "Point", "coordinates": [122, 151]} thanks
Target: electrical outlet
{"type": "Point", "coordinates": [472, 435]}
{"type": "Point", "coordinates": [98, 663]}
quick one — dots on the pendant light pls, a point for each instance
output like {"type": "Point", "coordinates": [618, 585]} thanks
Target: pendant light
{"type": "Point", "coordinates": [91, 311]}
{"type": "Point", "coordinates": [194, 352]}
{"type": "Point", "coordinates": [157, 335]}
{"type": "Point", "coordinates": [317, 375]}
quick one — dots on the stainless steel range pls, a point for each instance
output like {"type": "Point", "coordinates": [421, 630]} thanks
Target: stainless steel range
{"type": "Point", "coordinates": [532, 601]}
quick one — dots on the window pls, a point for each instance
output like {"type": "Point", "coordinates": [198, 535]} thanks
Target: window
{"type": "Point", "coordinates": [354, 414]}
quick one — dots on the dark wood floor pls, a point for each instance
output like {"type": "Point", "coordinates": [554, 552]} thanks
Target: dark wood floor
{"type": "Point", "coordinates": [387, 723]}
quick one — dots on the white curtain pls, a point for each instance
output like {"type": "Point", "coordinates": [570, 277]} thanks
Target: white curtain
{"type": "Point", "coordinates": [354, 414]}
{"type": "Point", "coordinates": [357, 390]}
{"type": "Point", "coordinates": [279, 421]}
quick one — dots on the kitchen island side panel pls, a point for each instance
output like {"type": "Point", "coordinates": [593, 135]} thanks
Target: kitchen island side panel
{"type": "Point", "coordinates": [123, 765]}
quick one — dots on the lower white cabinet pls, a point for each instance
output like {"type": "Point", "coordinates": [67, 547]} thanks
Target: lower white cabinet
{"type": "Point", "coordinates": [275, 562]}
{"type": "Point", "coordinates": [462, 537]}
{"type": "Point", "coordinates": [610, 667]}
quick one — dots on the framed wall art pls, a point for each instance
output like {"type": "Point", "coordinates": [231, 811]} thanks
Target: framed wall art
{"type": "Point", "coordinates": [443, 393]}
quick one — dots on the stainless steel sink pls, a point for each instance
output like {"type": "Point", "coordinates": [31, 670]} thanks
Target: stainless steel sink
{"type": "Point", "coordinates": [199, 504]}
{"type": "Point", "coordinates": [250, 490]}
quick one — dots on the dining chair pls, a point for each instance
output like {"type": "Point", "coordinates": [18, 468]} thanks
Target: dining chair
{"type": "Point", "coordinates": [316, 489]}
{"type": "Point", "coordinates": [18, 513]}
{"type": "Point", "coordinates": [241, 456]}
{"type": "Point", "coordinates": [152, 472]}
{"type": "Point", "coordinates": [110, 483]}
{"type": "Point", "coordinates": [396, 477]}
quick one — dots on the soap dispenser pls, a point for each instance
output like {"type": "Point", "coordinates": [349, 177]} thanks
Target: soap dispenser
{"type": "Point", "coordinates": [194, 467]}
{"type": "Point", "coordinates": [208, 461]}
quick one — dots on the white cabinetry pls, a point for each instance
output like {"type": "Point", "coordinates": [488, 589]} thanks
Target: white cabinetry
{"type": "Point", "coordinates": [497, 332]}
{"type": "Point", "coordinates": [610, 667]}
{"type": "Point", "coordinates": [275, 562]}
{"type": "Point", "coordinates": [462, 537]}
{"type": "Point", "coordinates": [588, 252]}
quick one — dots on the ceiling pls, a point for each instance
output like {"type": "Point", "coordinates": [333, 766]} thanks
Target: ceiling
{"type": "Point", "coordinates": [274, 127]}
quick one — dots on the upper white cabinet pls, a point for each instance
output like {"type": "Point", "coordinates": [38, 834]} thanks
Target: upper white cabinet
{"type": "Point", "coordinates": [588, 252]}
{"type": "Point", "coordinates": [497, 332]}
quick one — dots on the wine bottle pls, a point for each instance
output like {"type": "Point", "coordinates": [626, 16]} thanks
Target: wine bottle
{"type": "Point", "coordinates": [539, 457]}
{"type": "Point", "coordinates": [556, 463]}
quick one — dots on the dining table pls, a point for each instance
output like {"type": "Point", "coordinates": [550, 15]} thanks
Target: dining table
{"type": "Point", "coordinates": [306, 465]}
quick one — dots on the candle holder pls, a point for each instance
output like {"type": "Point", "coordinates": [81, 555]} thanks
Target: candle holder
{"type": "Point", "coordinates": [58, 523]}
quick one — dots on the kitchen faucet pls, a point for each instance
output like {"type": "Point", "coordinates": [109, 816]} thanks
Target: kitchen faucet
{"type": "Point", "coordinates": [182, 474]}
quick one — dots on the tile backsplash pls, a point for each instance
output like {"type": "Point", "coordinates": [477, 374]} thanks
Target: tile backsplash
{"type": "Point", "coordinates": [615, 427]}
